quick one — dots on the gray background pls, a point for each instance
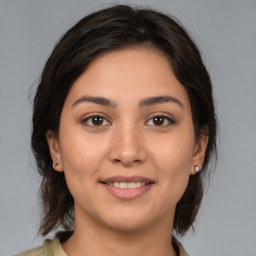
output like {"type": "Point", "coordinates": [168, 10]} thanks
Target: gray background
{"type": "Point", "coordinates": [226, 34]}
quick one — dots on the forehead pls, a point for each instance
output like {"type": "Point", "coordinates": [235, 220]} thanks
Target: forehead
{"type": "Point", "coordinates": [129, 75]}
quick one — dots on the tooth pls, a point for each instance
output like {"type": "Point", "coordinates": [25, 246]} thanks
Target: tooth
{"type": "Point", "coordinates": [138, 184]}
{"type": "Point", "coordinates": [131, 185]}
{"type": "Point", "coordinates": [123, 185]}
{"type": "Point", "coordinates": [117, 184]}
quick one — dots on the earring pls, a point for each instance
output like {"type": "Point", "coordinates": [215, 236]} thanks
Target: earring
{"type": "Point", "coordinates": [55, 164]}
{"type": "Point", "coordinates": [196, 169]}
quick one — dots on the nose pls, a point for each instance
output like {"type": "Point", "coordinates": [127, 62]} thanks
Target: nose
{"type": "Point", "coordinates": [127, 147]}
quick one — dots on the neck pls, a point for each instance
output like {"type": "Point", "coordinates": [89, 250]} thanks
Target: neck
{"type": "Point", "coordinates": [89, 240]}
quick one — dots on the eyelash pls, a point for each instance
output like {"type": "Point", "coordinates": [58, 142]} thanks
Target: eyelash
{"type": "Point", "coordinates": [169, 120]}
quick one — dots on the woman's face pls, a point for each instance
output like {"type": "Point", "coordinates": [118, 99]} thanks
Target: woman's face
{"type": "Point", "coordinates": [126, 141]}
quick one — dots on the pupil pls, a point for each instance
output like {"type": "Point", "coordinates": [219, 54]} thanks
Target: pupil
{"type": "Point", "coordinates": [158, 120]}
{"type": "Point", "coordinates": [97, 120]}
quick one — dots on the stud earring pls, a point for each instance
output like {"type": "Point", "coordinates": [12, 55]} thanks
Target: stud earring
{"type": "Point", "coordinates": [196, 169]}
{"type": "Point", "coordinates": [55, 164]}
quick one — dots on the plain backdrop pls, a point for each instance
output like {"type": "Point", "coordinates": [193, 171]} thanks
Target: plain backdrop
{"type": "Point", "coordinates": [226, 34]}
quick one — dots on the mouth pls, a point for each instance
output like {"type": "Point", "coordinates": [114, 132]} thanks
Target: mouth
{"type": "Point", "coordinates": [127, 187]}
{"type": "Point", "coordinates": [127, 182]}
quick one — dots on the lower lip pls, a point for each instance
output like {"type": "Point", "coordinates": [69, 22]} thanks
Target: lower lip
{"type": "Point", "coordinates": [128, 193]}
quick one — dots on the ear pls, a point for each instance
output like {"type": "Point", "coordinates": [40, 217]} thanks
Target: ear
{"type": "Point", "coordinates": [199, 153]}
{"type": "Point", "coordinates": [54, 148]}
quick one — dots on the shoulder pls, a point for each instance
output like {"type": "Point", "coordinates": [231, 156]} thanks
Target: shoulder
{"type": "Point", "coordinates": [49, 248]}
{"type": "Point", "coordinates": [39, 251]}
{"type": "Point", "coordinates": [178, 247]}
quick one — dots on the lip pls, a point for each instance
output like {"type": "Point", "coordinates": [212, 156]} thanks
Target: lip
{"type": "Point", "coordinates": [127, 193]}
{"type": "Point", "coordinates": [126, 179]}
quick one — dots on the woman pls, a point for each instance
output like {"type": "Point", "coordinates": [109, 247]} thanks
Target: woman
{"type": "Point", "coordinates": [123, 130]}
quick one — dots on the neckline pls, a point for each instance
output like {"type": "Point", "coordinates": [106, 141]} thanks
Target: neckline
{"type": "Point", "coordinates": [63, 236]}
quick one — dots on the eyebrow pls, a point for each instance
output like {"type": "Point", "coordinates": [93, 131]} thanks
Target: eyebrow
{"type": "Point", "coordinates": [158, 100]}
{"type": "Point", "coordinates": [142, 103]}
{"type": "Point", "coordinates": [97, 100]}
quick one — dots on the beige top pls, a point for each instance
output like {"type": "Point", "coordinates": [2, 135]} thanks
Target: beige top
{"type": "Point", "coordinates": [54, 248]}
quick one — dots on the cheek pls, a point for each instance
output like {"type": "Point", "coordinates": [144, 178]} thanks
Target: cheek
{"type": "Point", "coordinates": [78, 146]}
{"type": "Point", "coordinates": [81, 160]}
{"type": "Point", "coordinates": [172, 157]}
{"type": "Point", "coordinates": [174, 152]}
{"type": "Point", "coordinates": [81, 156]}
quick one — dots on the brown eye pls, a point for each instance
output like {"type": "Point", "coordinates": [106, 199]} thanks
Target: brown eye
{"type": "Point", "coordinates": [95, 121]}
{"type": "Point", "coordinates": [158, 120]}
{"type": "Point", "coordinates": [161, 121]}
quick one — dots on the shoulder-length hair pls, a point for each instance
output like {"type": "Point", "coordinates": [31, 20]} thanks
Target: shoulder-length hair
{"type": "Point", "coordinates": [104, 31]}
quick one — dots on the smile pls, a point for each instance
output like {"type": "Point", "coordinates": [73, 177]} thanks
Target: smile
{"type": "Point", "coordinates": [127, 184]}
{"type": "Point", "coordinates": [127, 187]}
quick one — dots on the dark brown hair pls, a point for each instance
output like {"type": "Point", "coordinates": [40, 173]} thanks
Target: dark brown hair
{"type": "Point", "coordinates": [107, 30]}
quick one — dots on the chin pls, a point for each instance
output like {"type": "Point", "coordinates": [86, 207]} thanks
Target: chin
{"type": "Point", "coordinates": [127, 226]}
{"type": "Point", "coordinates": [128, 222]}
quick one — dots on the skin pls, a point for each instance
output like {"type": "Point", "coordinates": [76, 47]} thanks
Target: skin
{"type": "Point", "coordinates": [127, 143]}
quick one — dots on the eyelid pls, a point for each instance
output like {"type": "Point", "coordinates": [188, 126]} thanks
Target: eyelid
{"type": "Point", "coordinates": [165, 116]}
{"type": "Point", "coordinates": [85, 119]}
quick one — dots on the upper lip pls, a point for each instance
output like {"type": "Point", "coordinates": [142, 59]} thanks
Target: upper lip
{"type": "Point", "coordinates": [127, 179]}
